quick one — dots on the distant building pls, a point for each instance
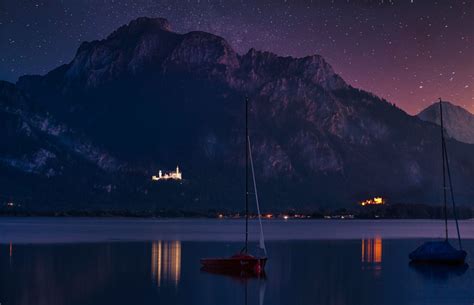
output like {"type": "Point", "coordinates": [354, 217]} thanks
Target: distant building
{"type": "Point", "coordinates": [373, 201]}
{"type": "Point", "coordinates": [176, 175]}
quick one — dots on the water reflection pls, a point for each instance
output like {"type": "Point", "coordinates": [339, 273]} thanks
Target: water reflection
{"type": "Point", "coordinates": [166, 261]}
{"type": "Point", "coordinates": [11, 253]}
{"type": "Point", "coordinates": [254, 280]}
{"type": "Point", "coordinates": [239, 275]}
{"type": "Point", "coordinates": [332, 272]}
{"type": "Point", "coordinates": [439, 272]}
{"type": "Point", "coordinates": [371, 254]}
{"type": "Point", "coordinates": [41, 275]}
{"type": "Point", "coordinates": [371, 250]}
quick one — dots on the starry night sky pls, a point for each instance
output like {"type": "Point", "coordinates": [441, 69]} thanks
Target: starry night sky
{"type": "Point", "coordinates": [408, 51]}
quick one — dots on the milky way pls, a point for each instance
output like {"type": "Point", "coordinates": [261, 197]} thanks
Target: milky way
{"type": "Point", "coordinates": [408, 51]}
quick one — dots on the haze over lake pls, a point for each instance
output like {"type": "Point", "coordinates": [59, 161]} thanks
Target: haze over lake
{"type": "Point", "coordinates": [143, 261]}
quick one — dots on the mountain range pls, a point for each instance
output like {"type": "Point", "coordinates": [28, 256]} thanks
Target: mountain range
{"type": "Point", "coordinates": [91, 133]}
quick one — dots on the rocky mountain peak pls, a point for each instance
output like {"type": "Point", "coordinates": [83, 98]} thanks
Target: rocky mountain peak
{"type": "Point", "coordinates": [142, 24]}
{"type": "Point", "coordinates": [458, 122]}
{"type": "Point", "coordinates": [262, 67]}
{"type": "Point", "coordinates": [198, 48]}
{"type": "Point", "coordinates": [148, 44]}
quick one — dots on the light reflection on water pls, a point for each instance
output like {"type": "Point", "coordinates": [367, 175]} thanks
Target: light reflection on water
{"type": "Point", "coordinates": [371, 255]}
{"type": "Point", "coordinates": [166, 261]}
{"type": "Point", "coordinates": [168, 272]}
{"type": "Point", "coordinates": [371, 250]}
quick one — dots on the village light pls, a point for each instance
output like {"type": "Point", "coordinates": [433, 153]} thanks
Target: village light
{"type": "Point", "coordinates": [373, 201]}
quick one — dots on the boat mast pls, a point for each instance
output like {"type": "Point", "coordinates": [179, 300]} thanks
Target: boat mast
{"type": "Point", "coordinates": [262, 239]}
{"type": "Point", "coordinates": [246, 176]}
{"type": "Point", "coordinates": [443, 150]}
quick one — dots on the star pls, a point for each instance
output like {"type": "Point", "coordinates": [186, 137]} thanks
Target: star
{"type": "Point", "coordinates": [380, 46]}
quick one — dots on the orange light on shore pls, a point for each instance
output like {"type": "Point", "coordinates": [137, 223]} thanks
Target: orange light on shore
{"type": "Point", "coordinates": [373, 201]}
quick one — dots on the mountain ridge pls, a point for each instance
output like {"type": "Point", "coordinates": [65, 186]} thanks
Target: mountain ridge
{"type": "Point", "coordinates": [146, 37]}
{"type": "Point", "coordinates": [158, 98]}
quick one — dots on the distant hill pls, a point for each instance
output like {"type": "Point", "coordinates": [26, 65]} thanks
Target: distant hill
{"type": "Point", "coordinates": [149, 98]}
{"type": "Point", "coordinates": [41, 158]}
{"type": "Point", "coordinates": [459, 122]}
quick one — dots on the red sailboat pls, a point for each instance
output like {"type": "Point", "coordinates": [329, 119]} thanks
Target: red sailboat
{"type": "Point", "coordinates": [242, 263]}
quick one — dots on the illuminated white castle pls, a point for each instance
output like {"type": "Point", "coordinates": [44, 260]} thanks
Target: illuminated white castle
{"type": "Point", "coordinates": [177, 175]}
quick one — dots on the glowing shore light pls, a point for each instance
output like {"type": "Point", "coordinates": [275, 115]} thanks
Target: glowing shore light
{"type": "Point", "coordinates": [373, 201]}
{"type": "Point", "coordinates": [176, 175]}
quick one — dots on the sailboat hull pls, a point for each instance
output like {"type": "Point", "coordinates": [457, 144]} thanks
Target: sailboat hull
{"type": "Point", "coordinates": [438, 252]}
{"type": "Point", "coordinates": [236, 263]}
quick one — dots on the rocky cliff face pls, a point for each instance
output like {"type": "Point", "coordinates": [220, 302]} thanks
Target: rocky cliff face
{"type": "Point", "coordinates": [39, 156]}
{"type": "Point", "coordinates": [34, 138]}
{"type": "Point", "coordinates": [458, 122]}
{"type": "Point", "coordinates": [154, 98]}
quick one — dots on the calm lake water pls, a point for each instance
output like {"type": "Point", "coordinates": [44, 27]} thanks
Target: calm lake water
{"type": "Point", "coordinates": [121, 261]}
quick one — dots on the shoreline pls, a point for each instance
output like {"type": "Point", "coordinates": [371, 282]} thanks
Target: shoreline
{"type": "Point", "coordinates": [118, 216]}
{"type": "Point", "coordinates": [379, 211]}
{"type": "Point", "coordinates": [44, 230]}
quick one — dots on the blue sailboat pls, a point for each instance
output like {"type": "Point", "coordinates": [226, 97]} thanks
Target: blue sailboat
{"type": "Point", "coordinates": [442, 252]}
